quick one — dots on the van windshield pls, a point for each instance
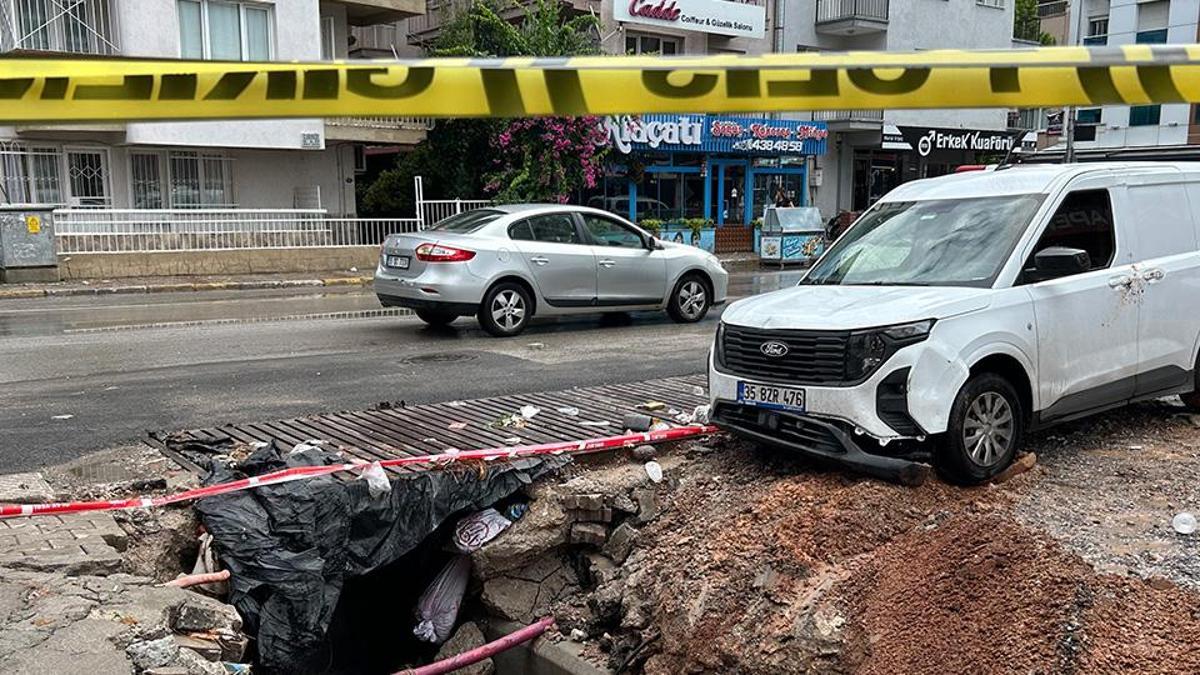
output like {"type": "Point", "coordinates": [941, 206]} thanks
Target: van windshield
{"type": "Point", "coordinates": [939, 242]}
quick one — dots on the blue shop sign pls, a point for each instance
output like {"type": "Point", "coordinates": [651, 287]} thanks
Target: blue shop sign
{"type": "Point", "coordinates": [715, 134]}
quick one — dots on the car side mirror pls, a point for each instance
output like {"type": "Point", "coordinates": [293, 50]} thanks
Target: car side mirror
{"type": "Point", "coordinates": [653, 244]}
{"type": "Point", "coordinates": [1060, 261]}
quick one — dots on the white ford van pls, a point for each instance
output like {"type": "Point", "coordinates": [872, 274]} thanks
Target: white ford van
{"type": "Point", "coordinates": [960, 312]}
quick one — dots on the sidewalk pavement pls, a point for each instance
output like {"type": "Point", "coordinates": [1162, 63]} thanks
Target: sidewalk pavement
{"type": "Point", "coordinates": [183, 284]}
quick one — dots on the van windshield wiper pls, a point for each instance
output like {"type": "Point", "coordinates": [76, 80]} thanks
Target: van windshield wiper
{"type": "Point", "coordinates": [891, 283]}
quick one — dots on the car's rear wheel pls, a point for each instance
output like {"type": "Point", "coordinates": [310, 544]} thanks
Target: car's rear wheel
{"type": "Point", "coordinates": [506, 310]}
{"type": "Point", "coordinates": [690, 300]}
{"type": "Point", "coordinates": [987, 425]}
{"type": "Point", "coordinates": [436, 318]}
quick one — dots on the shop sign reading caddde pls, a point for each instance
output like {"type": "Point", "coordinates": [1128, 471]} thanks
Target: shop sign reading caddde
{"type": "Point", "coordinates": [722, 17]}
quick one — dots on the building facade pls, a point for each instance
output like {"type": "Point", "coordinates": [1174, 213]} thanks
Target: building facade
{"type": "Point", "coordinates": [1139, 131]}
{"type": "Point", "coordinates": [870, 152]}
{"type": "Point", "coordinates": [259, 164]}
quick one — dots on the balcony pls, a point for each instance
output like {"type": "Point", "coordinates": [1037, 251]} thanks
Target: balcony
{"type": "Point", "coordinates": [850, 120]}
{"type": "Point", "coordinates": [424, 29]}
{"type": "Point", "coordinates": [851, 17]}
{"type": "Point", "coordinates": [58, 26]}
{"type": "Point", "coordinates": [1049, 8]}
{"type": "Point", "coordinates": [370, 12]}
{"type": "Point", "coordinates": [378, 130]}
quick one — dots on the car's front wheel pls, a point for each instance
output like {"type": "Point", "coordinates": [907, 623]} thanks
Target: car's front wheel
{"type": "Point", "coordinates": [506, 310]}
{"type": "Point", "coordinates": [987, 425]}
{"type": "Point", "coordinates": [690, 300]}
{"type": "Point", "coordinates": [436, 318]}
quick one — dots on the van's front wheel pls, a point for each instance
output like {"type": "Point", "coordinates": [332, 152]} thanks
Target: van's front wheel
{"type": "Point", "coordinates": [987, 425]}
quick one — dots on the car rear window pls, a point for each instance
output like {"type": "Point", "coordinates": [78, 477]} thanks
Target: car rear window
{"type": "Point", "coordinates": [467, 221]}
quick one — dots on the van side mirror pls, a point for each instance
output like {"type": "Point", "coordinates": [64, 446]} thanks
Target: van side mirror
{"type": "Point", "coordinates": [1060, 261]}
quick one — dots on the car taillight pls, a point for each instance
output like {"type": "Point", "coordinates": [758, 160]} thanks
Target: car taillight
{"type": "Point", "coordinates": [440, 253]}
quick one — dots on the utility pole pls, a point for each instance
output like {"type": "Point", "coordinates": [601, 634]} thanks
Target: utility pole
{"type": "Point", "coordinates": [1069, 122]}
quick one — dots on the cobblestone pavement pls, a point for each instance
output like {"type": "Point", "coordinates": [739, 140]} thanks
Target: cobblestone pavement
{"type": "Point", "coordinates": [86, 543]}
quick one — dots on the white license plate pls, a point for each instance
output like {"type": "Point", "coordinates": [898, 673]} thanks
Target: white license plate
{"type": "Point", "coordinates": [399, 262]}
{"type": "Point", "coordinates": [768, 396]}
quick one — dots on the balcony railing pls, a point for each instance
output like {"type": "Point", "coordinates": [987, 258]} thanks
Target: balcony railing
{"type": "Point", "coordinates": [869, 116]}
{"type": "Point", "coordinates": [384, 123]}
{"type": "Point", "coordinates": [831, 11]}
{"type": "Point", "coordinates": [66, 26]}
{"type": "Point", "coordinates": [1053, 8]}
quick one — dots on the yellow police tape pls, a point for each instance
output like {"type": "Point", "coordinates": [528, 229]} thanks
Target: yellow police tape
{"type": "Point", "coordinates": [76, 90]}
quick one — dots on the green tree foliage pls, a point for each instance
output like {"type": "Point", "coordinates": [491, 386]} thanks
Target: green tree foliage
{"type": "Point", "coordinates": [455, 158]}
{"type": "Point", "coordinates": [1027, 25]}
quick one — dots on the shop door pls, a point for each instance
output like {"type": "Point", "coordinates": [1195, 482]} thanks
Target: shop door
{"type": "Point", "coordinates": [729, 188]}
{"type": "Point", "coordinates": [768, 187]}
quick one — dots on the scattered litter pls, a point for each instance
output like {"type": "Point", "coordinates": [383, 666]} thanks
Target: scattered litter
{"type": "Point", "coordinates": [653, 405]}
{"type": "Point", "coordinates": [477, 529]}
{"type": "Point", "coordinates": [660, 426]}
{"type": "Point", "coordinates": [578, 635]}
{"type": "Point", "coordinates": [236, 668]}
{"type": "Point", "coordinates": [655, 471]}
{"type": "Point", "coordinates": [513, 421]}
{"type": "Point", "coordinates": [456, 404]}
{"type": "Point", "coordinates": [569, 411]}
{"type": "Point", "coordinates": [62, 417]}
{"type": "Point", "coordinates": [431, 439]}
{"type": "Point", "coordinates": [698, 390]}
{"type": "Point", "coordinates": [638, 422]}
{"type": "Point", "coordinates": [378, 484]}
{"type": "Point", "coordinates": [513, 440]}
{"type": "Point", "coordinates": [701, 414]}
{"type": "Point", "coordinates": [437, 610]}
{"type": "Point", "coordinates": [515, 512]}
{"type": "Point", "coordinates": [537, 345]}
{"type": "Point", "coordinates": [306, 446]}
{"type": "Point", "coordinates": [593, 424]}
{"type": "Point", "coordinates": [458, 425]}
{"type": "Point", "coordinates": [353, 269]}
{"type": "Point", "coordinates": [111, 388]}
{"type": "Point", "coordinates": [1184, 523]}
{"type": "Point", "coordinates": [530, 411]}
{"type": "Point", "coordinates": [1137, 447]}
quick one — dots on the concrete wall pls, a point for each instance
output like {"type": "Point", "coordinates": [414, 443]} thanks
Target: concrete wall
{"type": "Point", "coordinates": [241, 261]}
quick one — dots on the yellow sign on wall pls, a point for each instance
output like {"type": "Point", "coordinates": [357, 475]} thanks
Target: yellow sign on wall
{"type": "Point", "coordinates": [33, 224]}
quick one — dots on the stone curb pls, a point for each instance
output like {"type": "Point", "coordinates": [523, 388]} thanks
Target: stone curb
{"type": "Point", "coordinates": [6, 294]}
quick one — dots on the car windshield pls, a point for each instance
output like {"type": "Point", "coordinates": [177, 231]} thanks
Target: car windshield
{"type": "Point", "coordinates": [940, 242]}
{"type": "Point", "coordinates": [467, 221]}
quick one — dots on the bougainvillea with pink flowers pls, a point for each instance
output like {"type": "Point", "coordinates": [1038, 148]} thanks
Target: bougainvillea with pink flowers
{"type": "Point", "coordinates": [546, 159]}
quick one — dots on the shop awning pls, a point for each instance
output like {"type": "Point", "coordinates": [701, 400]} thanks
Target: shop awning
{"type": "Point", "coordinates": [893, 139]}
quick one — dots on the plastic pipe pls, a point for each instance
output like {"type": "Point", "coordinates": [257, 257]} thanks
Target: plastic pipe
{"type": "Point", "coordinates": [486, 651]}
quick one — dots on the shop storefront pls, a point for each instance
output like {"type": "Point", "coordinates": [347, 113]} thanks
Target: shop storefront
{"type": "Point", "coordinates": [910, 153]}
{"type": "Point", "coordinates": [713, 167]}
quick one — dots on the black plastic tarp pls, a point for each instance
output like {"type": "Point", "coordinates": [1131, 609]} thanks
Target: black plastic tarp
{"type": "Point", "coordinates": [290, 546]}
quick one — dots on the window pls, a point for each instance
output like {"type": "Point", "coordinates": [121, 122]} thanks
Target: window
{"type": "Point", "coordinates": [145, 180]}
{"type": "Point", "coordinates": [520, 231]}
{"type": "Point", "coordinates": [225, 31]}
{"type": "Point", "coordinates": [1144, 115]}
{"type": "Point", "coordinates": [467, 221]}
{"type": "Point", "coordinates": [557, 228]}
{"type": "Point", "coordinates": [30, 174]}
{"type": "Point", "coordinates": [1152, 37]}
{"type": "Point", "coordinates": [87, 171]}
{"type": "Point", "coordinates": [1169, 228]}
{"type": "Point", "coordinates": [1087, 116]}
{"type": "Point", "coordinates": [1084, 220]}
{"type": "Point", "coordinates": [200, 180]}
{"type": "Point", "coordinates": [651, 44]}
{"type": "Point", "coordinates": [327, 40]}
{"type": "Point", "coordinates": [998, 4]}
{"type": "Point", "coordinates": [606, 232]}
{"type": "Point", "coordinates": [1097, 32]}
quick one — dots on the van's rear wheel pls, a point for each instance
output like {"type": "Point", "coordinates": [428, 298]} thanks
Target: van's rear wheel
{"type": "Point", "coordinates": [987, 426]}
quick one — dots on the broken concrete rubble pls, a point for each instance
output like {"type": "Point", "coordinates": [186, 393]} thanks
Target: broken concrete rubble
{"type": "Point", "coordinates": [467, 637]}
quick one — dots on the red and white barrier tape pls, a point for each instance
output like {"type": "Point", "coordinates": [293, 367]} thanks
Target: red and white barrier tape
{"type": "Point", "coordinates": [299, 473]}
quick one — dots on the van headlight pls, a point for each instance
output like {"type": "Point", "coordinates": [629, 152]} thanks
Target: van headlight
{"type": "Point", "coordinates": [867, 350]}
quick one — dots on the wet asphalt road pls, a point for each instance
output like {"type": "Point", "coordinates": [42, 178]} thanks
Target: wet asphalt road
{"type": "Point", "coordinates": [85, 373]}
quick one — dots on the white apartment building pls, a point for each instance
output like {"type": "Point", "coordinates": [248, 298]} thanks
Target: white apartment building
{"type": "Point", "coordinates": [260, 164]}
{"type": "Point", "coordinates": [1140, 131]}
{"type": "Point", "coordinates": [870, 152]}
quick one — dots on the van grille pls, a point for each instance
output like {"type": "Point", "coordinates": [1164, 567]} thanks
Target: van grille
{"type": "Point", "coordinates": [806, 433]}
{"type": "Point", "coordinates": [813, 357]}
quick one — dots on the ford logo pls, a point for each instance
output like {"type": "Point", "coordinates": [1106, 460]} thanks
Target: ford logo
{"type": "Point", "coordinates": [774, 348]}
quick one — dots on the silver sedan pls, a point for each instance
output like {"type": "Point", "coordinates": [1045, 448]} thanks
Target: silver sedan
{"type": "Point", "coordinates": [504, 264]}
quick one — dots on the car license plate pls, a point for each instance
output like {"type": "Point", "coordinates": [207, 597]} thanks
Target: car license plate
{"type": "Point", "coordinates": [768, 396]}
{"type": "Point", "coordinates": [399, 262]}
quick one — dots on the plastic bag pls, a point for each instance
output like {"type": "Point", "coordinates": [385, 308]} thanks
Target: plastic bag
{"type": "Point", "coordinates": [378, 484]}
{"type": "Point", "coordinates": [477, 529]}
{"type": "Point", "coordinates": [437, 610]}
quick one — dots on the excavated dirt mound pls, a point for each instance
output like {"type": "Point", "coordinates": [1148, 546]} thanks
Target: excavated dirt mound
{"type": "Point", "coordinates": [762, 564]}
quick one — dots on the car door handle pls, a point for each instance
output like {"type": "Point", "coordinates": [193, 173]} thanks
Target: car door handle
{"type": "Point", "coordinates": [1153, 275]}
{"type": "Point", "coordinates": [539, 260]}
{"type": "Point", "coordinates": [1122, 281]}
{"type": "Point", "coordinates": [608, 263]}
